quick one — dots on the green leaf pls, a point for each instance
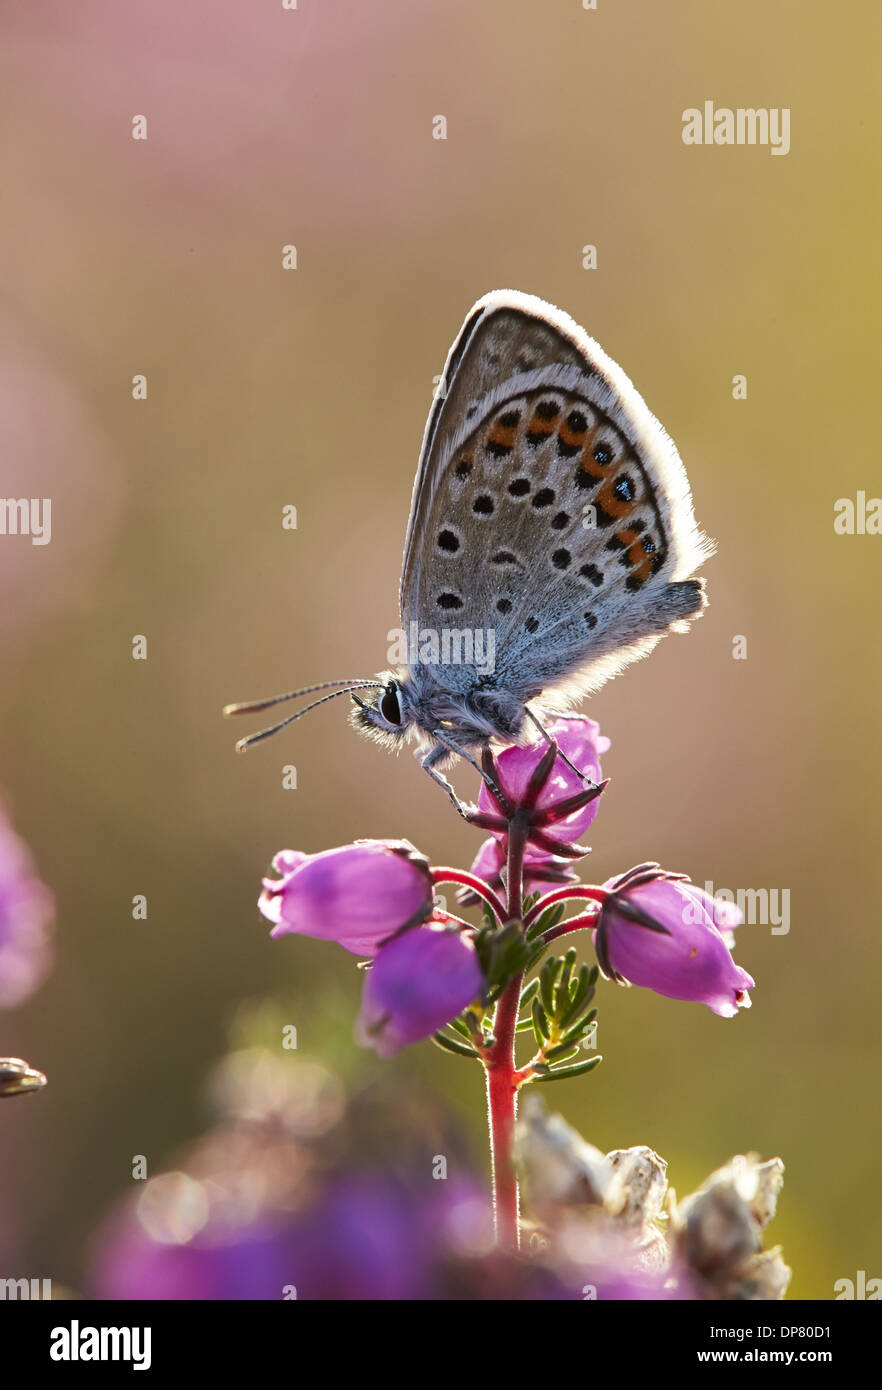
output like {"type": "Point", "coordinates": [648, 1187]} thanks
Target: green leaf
{"type": "Point", "coordinates": [535, 956]}
{"type": "Point", "coordinates": [502, 954]}
{"type": "Point", "coordinates": [575, 1031]}
{"type": "Point", "coordinates": [550, 918]}
{"type": "Point", "coordinates": [578, 1069]}
{"type": "Point", "coordinates": [451, 1045]}
{"type": "Point", "coordinates": [459, 1026]}
{"type": "Point", "coordinates": [562, 1051]}
{"type": "Point", "coordinates": [546, 985]}
{"type": "Point", "coordinates": [581, 994]}
{"type": "Point", "coordinates": [472, 1023]}
{"type": "Point", "coordinates": [540, 1023]}
{"type": "Point", "coordinates": [563, 985]}
{"type": "Point", "coordinates": [528, 991]}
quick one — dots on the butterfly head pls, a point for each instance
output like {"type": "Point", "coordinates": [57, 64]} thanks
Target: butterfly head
{"type": "Point", "coordinates": [386, 714]}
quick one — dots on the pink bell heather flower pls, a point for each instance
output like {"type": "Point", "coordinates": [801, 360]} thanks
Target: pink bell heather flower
{"type": "Point", "coordinates": [660, 931]}
{"type": "Point", "coordinates": [26, 911]}
{"type": "Point", "coordinates": [582, 743]}
{"type": "Point", "coordinates": [358, 895]}
{"type": "Point", "coordinates": [418, 982]}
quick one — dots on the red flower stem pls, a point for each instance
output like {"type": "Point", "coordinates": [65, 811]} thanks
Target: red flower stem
{"type": "Point", "coordinates": [587, 920]}
{"type": "Point", "coordinates": [562, 895]}
{"type": "Point", "coordinates": [477, 885]}
{"type": "Point", "coordinates": [518, 832]}
{"type": "Point", "coordinates": [502, 1077]}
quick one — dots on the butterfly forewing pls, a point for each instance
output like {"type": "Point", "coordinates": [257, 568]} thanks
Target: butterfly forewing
{"type": "Point", "coordinates": [550, 505]}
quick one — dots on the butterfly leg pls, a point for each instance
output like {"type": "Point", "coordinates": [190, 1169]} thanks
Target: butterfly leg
{"type": "Point", "coordinates": [548, 739]}
{"type": "Point", "coordinates": [460, 752]}
{"type": "Point", "coordinates": [447, 745]}
{"type": "Point", "coordinates": [428, 763]}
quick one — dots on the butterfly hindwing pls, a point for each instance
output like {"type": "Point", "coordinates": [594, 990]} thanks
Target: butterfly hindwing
{"type": "Point", "coordinates": [549, 505]}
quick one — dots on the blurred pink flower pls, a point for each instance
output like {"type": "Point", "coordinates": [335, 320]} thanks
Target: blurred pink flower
{"type": "Point", "coordinates": [26, 911]}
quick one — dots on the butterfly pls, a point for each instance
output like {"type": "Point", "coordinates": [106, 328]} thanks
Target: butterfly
{"type": "Point", "coordinates": [551, 521]}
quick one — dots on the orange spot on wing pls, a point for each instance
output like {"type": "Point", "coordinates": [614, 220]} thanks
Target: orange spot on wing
{"type": "Point", "coordinates": [612, 504]}
{"type": "Point", "coordinates": [572, 438]}
{"type": "Point", "coordinates": [636, 557]}
{"type": "Point", "coordinates": [540, 428]}
{"type": "Point", "coordinates": [588, 463]}
{"type": "Point", "coordinates": [502, 435]}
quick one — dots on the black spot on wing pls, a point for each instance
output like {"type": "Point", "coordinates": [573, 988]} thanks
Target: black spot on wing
{"type": "Point", "coordinates": [593, 574]}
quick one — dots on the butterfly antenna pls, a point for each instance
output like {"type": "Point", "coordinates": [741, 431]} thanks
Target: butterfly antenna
{"type": "Point", "coordinates": [245, 743]}
{"type": "Point", "coordinates": [255, 706]}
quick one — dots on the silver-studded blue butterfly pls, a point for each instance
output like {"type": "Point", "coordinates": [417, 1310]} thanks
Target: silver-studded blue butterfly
{"type": "Point", "coordinates": [552, 514]}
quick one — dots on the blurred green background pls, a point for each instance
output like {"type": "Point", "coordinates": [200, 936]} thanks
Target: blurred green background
{"type": "Point", "coordinates": [269, 387]}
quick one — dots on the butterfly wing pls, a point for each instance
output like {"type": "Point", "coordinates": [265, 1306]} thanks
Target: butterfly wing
{"type": "Point", "coordinates": [549, 505]}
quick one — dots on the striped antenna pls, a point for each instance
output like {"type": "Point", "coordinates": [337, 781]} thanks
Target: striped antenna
{"type": "Point", "coordinates": [245, 743]}
{"type": "Point", "coordinates": [255, 706]}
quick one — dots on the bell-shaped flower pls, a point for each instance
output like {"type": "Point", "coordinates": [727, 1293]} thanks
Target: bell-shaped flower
{"type": "Point", "coordinates": [418, 982]}
{"type": "Point", "coordinates": [359, 895]}
{"type": "Point", "coordinates": [662, 932]}
{"type": "Point", "coordinates": [555, 790]}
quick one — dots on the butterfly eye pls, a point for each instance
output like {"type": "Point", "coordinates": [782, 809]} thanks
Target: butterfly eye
{"type": "Point", "coordinates": [390, 704]}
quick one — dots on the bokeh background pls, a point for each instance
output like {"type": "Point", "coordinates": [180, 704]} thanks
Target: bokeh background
{"type": "Point", "coordinates": [269, 387]}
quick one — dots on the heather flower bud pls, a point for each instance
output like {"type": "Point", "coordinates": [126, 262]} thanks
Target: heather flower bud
{"type": "Point", "coordinates": [358, 895]}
